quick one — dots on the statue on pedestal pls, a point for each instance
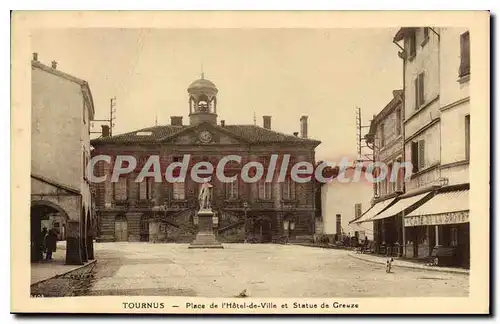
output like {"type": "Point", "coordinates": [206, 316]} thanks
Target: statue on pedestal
{"type": "Point", "coordinates": [205, 196]}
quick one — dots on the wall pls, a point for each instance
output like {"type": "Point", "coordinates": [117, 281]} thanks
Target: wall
{"type": "Point", "coordinates": [340, 198]}
{"type": "Point", "coordinates": [57, 107]}
{"type": "Point", "coordinates": [455, 105]}
{"type": "Point", "coordinates": [423, 123]}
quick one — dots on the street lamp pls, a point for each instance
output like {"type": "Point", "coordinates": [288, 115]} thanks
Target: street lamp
{"type": "Point", "coordinates": [245, 208]}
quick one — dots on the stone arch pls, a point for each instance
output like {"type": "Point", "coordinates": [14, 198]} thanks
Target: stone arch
{"type": "Point", "coordinates": [41, 210]}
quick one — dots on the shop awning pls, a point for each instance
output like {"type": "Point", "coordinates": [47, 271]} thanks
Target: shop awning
{"type": "Point", "coordinates": [444, 208]}
{"type": "Point", "coordinates": [400, 205]}
{"type": "Point", "coordinates": [374, 210]}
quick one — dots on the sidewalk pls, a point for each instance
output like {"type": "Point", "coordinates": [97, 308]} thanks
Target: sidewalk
{"type": "Point", "coordinates": [44, 270]}
{"type": "Point", "coordinates": [405, 263]}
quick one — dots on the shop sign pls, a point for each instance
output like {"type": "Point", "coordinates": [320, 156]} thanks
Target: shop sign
{"type": "Point", "coordinates": [438, 219]}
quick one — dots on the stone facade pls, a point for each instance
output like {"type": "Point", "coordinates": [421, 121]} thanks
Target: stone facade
{"type": "Point", "coordinates": [62, 109]}
{"type": "Point", "coordinates": [244, 211]}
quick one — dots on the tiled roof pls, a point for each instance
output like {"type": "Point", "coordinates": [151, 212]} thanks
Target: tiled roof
{"type": "Point", "coordinates": [249, 133]}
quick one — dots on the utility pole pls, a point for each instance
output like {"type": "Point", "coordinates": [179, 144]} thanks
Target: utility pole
{"type": "Point", "coordinates": [364, 155]}
{"type": "Point", "coordinates": [112, 117]}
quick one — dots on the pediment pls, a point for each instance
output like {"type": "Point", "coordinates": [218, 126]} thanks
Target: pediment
{"type": "Point", "coordinates": [204, 134]}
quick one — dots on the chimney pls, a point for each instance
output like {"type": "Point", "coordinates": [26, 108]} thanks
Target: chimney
{"type": "Point", "coordinates": [303, 126]}
{"type": "Point", "coordinates": [54, 65]}
{"type": "Point", "coordinates": [105, 130]}
{"type": "Point", "coordinates": [266, 122]}
{"type": "Point", "coordinates": [176, 120]}
{"type": "Point", "coordinates": [223, 123]}
{"type": "Point", "coordinates": [35, 57]}
{"type": "Point", "coordinates": [296, 134]}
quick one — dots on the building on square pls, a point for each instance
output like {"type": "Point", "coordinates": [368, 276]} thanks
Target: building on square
{"type": "Point", "coordinates": [434, 203]}
{"type": "Point", "coordinates": [385, 136]}
{"type": "Point", "coordinates": [166, 211]}
{"type": "Point", "coordinates": [62, 108]}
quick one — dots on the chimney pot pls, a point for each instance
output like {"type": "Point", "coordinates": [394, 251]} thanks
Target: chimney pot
{"type": "Point", "coordinates": [176, 120]}
{"type": "Point", "coordinates": [35, 57]}
{"type": "Point", "coordinates": [266, 122]}
{"type": "Point", "coordinates": [303, 126]}
{"type": "Point", "coordinates": [105, 130]}
{"type": "Point", "coordinates": [223, 123]}
{"type": "Point", "coordinates": [54, 65]}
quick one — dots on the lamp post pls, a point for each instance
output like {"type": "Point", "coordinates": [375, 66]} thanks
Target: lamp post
{"type": "Point", "coordinates": [245, 208]}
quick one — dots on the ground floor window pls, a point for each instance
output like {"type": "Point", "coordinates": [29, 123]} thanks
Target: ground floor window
{"type": "Point", "coordinates": [178, 191]}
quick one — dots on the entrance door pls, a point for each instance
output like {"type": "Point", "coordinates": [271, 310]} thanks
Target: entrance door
{"type": "Point", "coordinates": [266, 231]}
{"type": "Point", "coordinates": [121, 231]}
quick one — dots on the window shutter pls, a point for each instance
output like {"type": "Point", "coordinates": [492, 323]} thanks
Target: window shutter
{"type": "Point", "coordinates": [421, 99]}
{"type": "Point", "coordinates": [414, 156]}
{"type": "Point", "coordinates": [416, 94]}
{"type": "Point", "coordinates": [464, 54]}
{"type": "Point", "coordinates": [421, 154]}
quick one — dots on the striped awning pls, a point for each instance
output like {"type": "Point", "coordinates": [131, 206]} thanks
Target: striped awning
{"type": "Point", "coordinates": [374, 210]}
{"type": "Point", "coordinates": [444, 208]}
{"type": "Point", "coordinates": [401, 205]}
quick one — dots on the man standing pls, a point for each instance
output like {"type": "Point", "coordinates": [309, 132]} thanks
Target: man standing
{"type": "Point", "coordinates": [50, 243]}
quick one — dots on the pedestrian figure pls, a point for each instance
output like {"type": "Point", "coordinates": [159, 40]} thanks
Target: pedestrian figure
{"type": "Point", "coordinates": [40, 242]}
{"type": "Point", "coordinates": [50, 243]}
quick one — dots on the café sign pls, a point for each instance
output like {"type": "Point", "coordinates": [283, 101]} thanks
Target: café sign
{"type": "Point", "coordinates": [438, 219]}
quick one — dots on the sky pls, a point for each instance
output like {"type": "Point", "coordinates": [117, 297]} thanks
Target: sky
{"type": "Point", "coordinates": [285, 73]}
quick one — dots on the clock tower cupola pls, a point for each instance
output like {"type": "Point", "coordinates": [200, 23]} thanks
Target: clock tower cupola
{"type": "Point", "coordinates": [202, 101]}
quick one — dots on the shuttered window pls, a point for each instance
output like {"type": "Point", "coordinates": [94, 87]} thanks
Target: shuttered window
{"type": "Point", "coordinates": [232, 189]}
{"type": "Point", "coordinates": [264, 190]}
{"type": "Point", "coordinates": [288, 189]}
{"type": "Point", "coordinates": [419, 91]}
{"type": "Point", "coordinates": [120, 189]}
{"type": "Point", "coordinates": [464, 68]}
{"type": "Point", "coordinates": [414, 156]}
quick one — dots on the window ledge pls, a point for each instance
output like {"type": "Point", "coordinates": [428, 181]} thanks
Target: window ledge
{"type": "Point", "coordinates": [424, 170]}
{"type": "Point", "coordinates": [464, 78]}
{"type": "Point", "coordinates": [421, 108]}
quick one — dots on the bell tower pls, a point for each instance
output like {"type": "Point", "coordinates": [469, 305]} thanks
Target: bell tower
{"type": "Point", "coordinates": [202, 101]}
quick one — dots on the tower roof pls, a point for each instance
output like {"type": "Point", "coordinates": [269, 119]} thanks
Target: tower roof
{"type": "Point", "coordinates": [202, 84]}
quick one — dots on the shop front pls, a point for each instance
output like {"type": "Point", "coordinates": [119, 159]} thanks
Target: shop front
{"type": "Point", "coordinates": [389, 224]}
{"type": "Point", "coordinates": [439, 229]}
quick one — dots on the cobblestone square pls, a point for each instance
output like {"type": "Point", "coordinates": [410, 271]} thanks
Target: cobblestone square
{"type": "Point", "coordinates": [263, 270]}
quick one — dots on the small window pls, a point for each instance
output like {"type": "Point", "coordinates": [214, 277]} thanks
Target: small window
{"type": "Point", "coordinates": [464, 68]}
{"type": "Point", "coordinates": [144, 133]}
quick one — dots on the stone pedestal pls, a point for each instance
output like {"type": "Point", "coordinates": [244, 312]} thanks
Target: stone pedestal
{"type": "Point", "coordinates": [205, 239]}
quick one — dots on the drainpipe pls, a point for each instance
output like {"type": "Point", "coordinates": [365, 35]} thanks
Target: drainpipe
{"type": "Point", "coordinates": [403, 55]}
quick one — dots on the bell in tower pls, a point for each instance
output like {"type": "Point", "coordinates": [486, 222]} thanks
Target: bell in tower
{"type": "Point", "coordinates": [202, 101]}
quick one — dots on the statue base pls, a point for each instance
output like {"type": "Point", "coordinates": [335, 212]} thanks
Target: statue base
{"type": "Point", "coordinates": [205, 239]}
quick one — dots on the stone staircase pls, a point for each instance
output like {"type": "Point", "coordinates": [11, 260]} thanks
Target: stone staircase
{"type": "Point", "coordinates": [231, 228]}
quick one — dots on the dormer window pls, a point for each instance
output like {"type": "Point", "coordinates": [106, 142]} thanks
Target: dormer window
{"type": "Point", "coordinates": [144, 133]}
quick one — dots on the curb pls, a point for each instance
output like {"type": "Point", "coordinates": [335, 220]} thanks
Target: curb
{"type": "Point", "coordinates": [448, 270]}
{"type": "Point", "coordinates": [92, 262]}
